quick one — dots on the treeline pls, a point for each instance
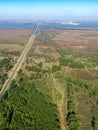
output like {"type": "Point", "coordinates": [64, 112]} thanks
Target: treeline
{"type": "Point", "coordinates": [5, 66]}
{"type": "Point", "coordinates": [7, 53]}
{"type": "Point", "coordinates": [71, 63]}
{"type": "Point", "coordinates": [75, 85]}
{"type": "Point", "coordinates": [87, 85]}
{"type": "Point", "coordinates": [35, 68]}
{"type": "Point", "coordinates": [72, 119]}
{"type": "Point", "coordinates": [24, 108]}
{"type": "Point", "coordinates": [95, 123]}
{"type": "Point", "coordinates": [3, 78]}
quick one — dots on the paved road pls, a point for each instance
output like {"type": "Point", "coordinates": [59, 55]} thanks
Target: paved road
{"type": "Point", "coordinates": [19, 62]}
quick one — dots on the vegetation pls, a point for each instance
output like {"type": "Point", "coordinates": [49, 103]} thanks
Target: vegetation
{"type": "Point", "coordinates": [11, 53]}
{"type": "Point", "coordinates": [24, 107]}
{"type": "Point", "coordinates": [57, 75]}
{"type": "Point", "coordinates": [95, 124]}
{"type": "Point", "coordinates": [71, 63]}
{"type": "Point", "coordinates": [72, 118]}
{"type": "Point", "coordinates": [73, 122]}
{"type": "Point", "coordinates": [56, 68]}
{"type": "Point", "coordinates": [3, 78]}
{"type": "Point", "coordinates": [33, 68]}
{"type": "Point", "coordinates": [5, 66]}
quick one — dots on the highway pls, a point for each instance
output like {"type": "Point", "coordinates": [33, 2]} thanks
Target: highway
{"type": "Point", "coordinates": [19, 62]}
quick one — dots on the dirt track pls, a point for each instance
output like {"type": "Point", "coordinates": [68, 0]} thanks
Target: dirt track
{"type": "Point", "coordinates": [60, 104]}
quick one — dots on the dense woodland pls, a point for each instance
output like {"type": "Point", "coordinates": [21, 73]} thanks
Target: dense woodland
{"type": "Point", "coordinates": [23, 107]}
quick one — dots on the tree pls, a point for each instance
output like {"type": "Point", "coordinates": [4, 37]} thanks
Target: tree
{"type": "Point", "coordinates": [56, 68]}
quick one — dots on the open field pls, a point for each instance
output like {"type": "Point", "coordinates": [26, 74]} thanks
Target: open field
{"type": "Point", "coordinates": [78, 40]}
{"type": "Point", "coordinates": [14, 39]}
{"type": "Point", "coordinates": [61, 73]}
{"type": "Point", "coordinates": [15, 35]}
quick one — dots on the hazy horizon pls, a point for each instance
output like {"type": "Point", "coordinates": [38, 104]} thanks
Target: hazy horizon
{"type": "Point", "coordinates": [49, 10]}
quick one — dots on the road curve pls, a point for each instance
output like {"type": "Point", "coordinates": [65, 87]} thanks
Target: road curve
{"type": "Point", "coordinates": [19, 62]}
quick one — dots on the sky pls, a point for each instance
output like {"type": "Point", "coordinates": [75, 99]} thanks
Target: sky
{"type": "Point", "coordinates": [49, 9]}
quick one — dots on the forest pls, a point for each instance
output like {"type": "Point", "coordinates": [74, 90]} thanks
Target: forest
{"type": "Point", "coordinates": [23, 107]}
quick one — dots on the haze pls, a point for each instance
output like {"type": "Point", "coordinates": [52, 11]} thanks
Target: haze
{"type": "Point", "coordinates": [41, 9]}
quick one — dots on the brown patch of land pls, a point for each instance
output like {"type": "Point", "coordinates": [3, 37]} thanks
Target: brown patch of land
{"type": "Point", "coordinates": [15, 35]}
{"type": "Point", "coordinates": [96, 68]}
{"type": "Point", "coordinates": [81, 73]}
{"type": "Point", "coordinates": [78, 40]}
{"type": "Point", "coordinates": [14, 39]}
{"type": "Point", "coordinates": [10, 47]}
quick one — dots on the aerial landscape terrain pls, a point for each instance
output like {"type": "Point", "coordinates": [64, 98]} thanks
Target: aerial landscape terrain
{"type": "Point", "coordinates": [48, 64]}
{"type": "Point", "coordinates": [56, 85]}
